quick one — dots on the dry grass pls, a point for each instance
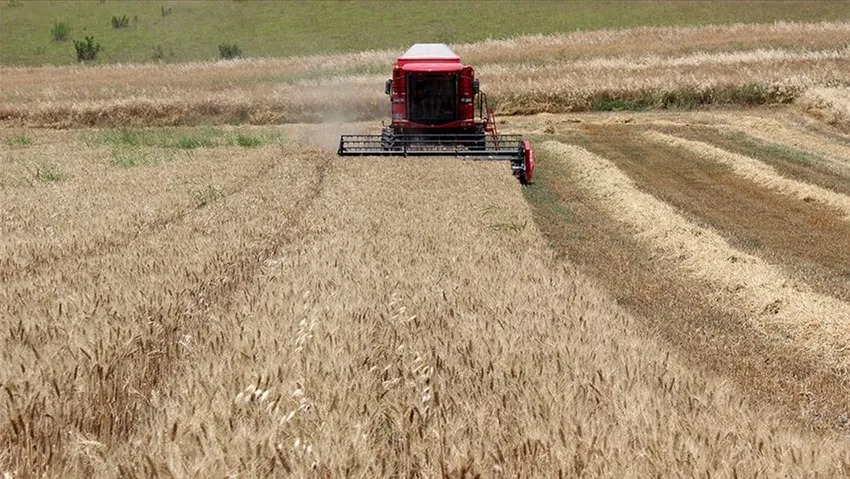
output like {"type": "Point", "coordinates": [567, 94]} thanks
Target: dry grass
{"type": "Point", "coordinates": [343, 317]}
{"type": "Point", "coordinates": [642, 68]}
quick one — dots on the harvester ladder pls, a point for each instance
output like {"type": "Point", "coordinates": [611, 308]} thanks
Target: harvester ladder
{"type": "Point", "coordinates": [490, 118]}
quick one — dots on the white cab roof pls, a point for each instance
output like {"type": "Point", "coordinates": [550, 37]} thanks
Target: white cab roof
{"type": "Point", "coordinates": [429, 50]}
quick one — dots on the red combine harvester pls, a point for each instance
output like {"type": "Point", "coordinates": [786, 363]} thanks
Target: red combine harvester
{"type": "Point", "coordinates": [434, 100]}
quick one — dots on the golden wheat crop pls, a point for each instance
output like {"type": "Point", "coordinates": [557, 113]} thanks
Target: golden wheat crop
{"type": "Point", "coordinates": [333, 317]}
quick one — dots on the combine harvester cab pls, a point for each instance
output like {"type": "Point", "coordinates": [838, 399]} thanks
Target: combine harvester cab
{"type": "Point", "coordinates": [438, 110]}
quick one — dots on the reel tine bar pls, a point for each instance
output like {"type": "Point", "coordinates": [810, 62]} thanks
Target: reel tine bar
{"type": "Point", "coordinates": [482, 147]}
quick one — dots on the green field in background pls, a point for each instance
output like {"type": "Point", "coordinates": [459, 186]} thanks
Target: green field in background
{"type": "Point", "coordinates": [193, 30]}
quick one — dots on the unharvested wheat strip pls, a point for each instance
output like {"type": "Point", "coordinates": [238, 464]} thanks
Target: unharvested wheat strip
{"type": "Point", "coordinates": [758, 172]}
{"type": "Point", "coordinates": [652, 39]}
{"type": "Point", "coordinates": [401, 320]}
{"type": "Point", "coordinates": [818, 324]}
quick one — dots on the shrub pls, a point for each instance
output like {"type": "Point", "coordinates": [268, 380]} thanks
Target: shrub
{"type": "Point", "coordinates": [87, 51]}
{"type": "Point", "coordinates": [160, 54]}
{"type": "Point", "coordinates": [229, 51]}
{"type": "Point", "coordinates": [129, 159]}
{"type": "Point", "coordinates": [248, 141]}
{"type": "Point", "coordinates": [120, 22]}
{"type": "Point", "coordinates": [47, 174]}
{"type": "Point", "coordinates": [19, 141]}
{"type": "Point", "coordinates": [190, 143]}
{"type": "Point", "coordinates": [60, 31]}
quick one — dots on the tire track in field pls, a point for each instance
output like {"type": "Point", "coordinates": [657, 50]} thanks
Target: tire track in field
{"type": "Point", "coordinates": [217, 293]}
{"type": "Point", "coordinates": [121, 376]}
{"type": "Point", "coordinates": [10, 270]}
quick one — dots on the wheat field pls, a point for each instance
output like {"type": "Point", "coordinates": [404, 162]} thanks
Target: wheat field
{"type": "Point", "coordinates": [336, 317]}
{"type": "Point", "coordinates": [669, 298]}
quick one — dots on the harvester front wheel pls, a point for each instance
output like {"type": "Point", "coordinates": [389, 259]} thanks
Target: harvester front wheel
{"type": "Point", "coordinates": [387, 140]}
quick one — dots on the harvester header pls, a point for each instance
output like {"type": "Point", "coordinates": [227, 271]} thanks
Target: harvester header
{"type": "Point", "coordinates": [438, 109]}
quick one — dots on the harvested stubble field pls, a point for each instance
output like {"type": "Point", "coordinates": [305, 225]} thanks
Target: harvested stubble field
{"type": "Point", "coordinates": [669, 298]}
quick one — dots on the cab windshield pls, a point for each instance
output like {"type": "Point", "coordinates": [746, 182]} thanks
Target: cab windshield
{"type": "Point", "coordinates": [433, 98]}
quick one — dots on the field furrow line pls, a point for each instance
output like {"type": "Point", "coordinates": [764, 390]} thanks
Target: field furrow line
{"type": "Point", "coordinates": [759, 172]}
{"type": "Point", "coordinates": [782, 309]}
{"type": "Point", "coordinates": [248, 262]}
